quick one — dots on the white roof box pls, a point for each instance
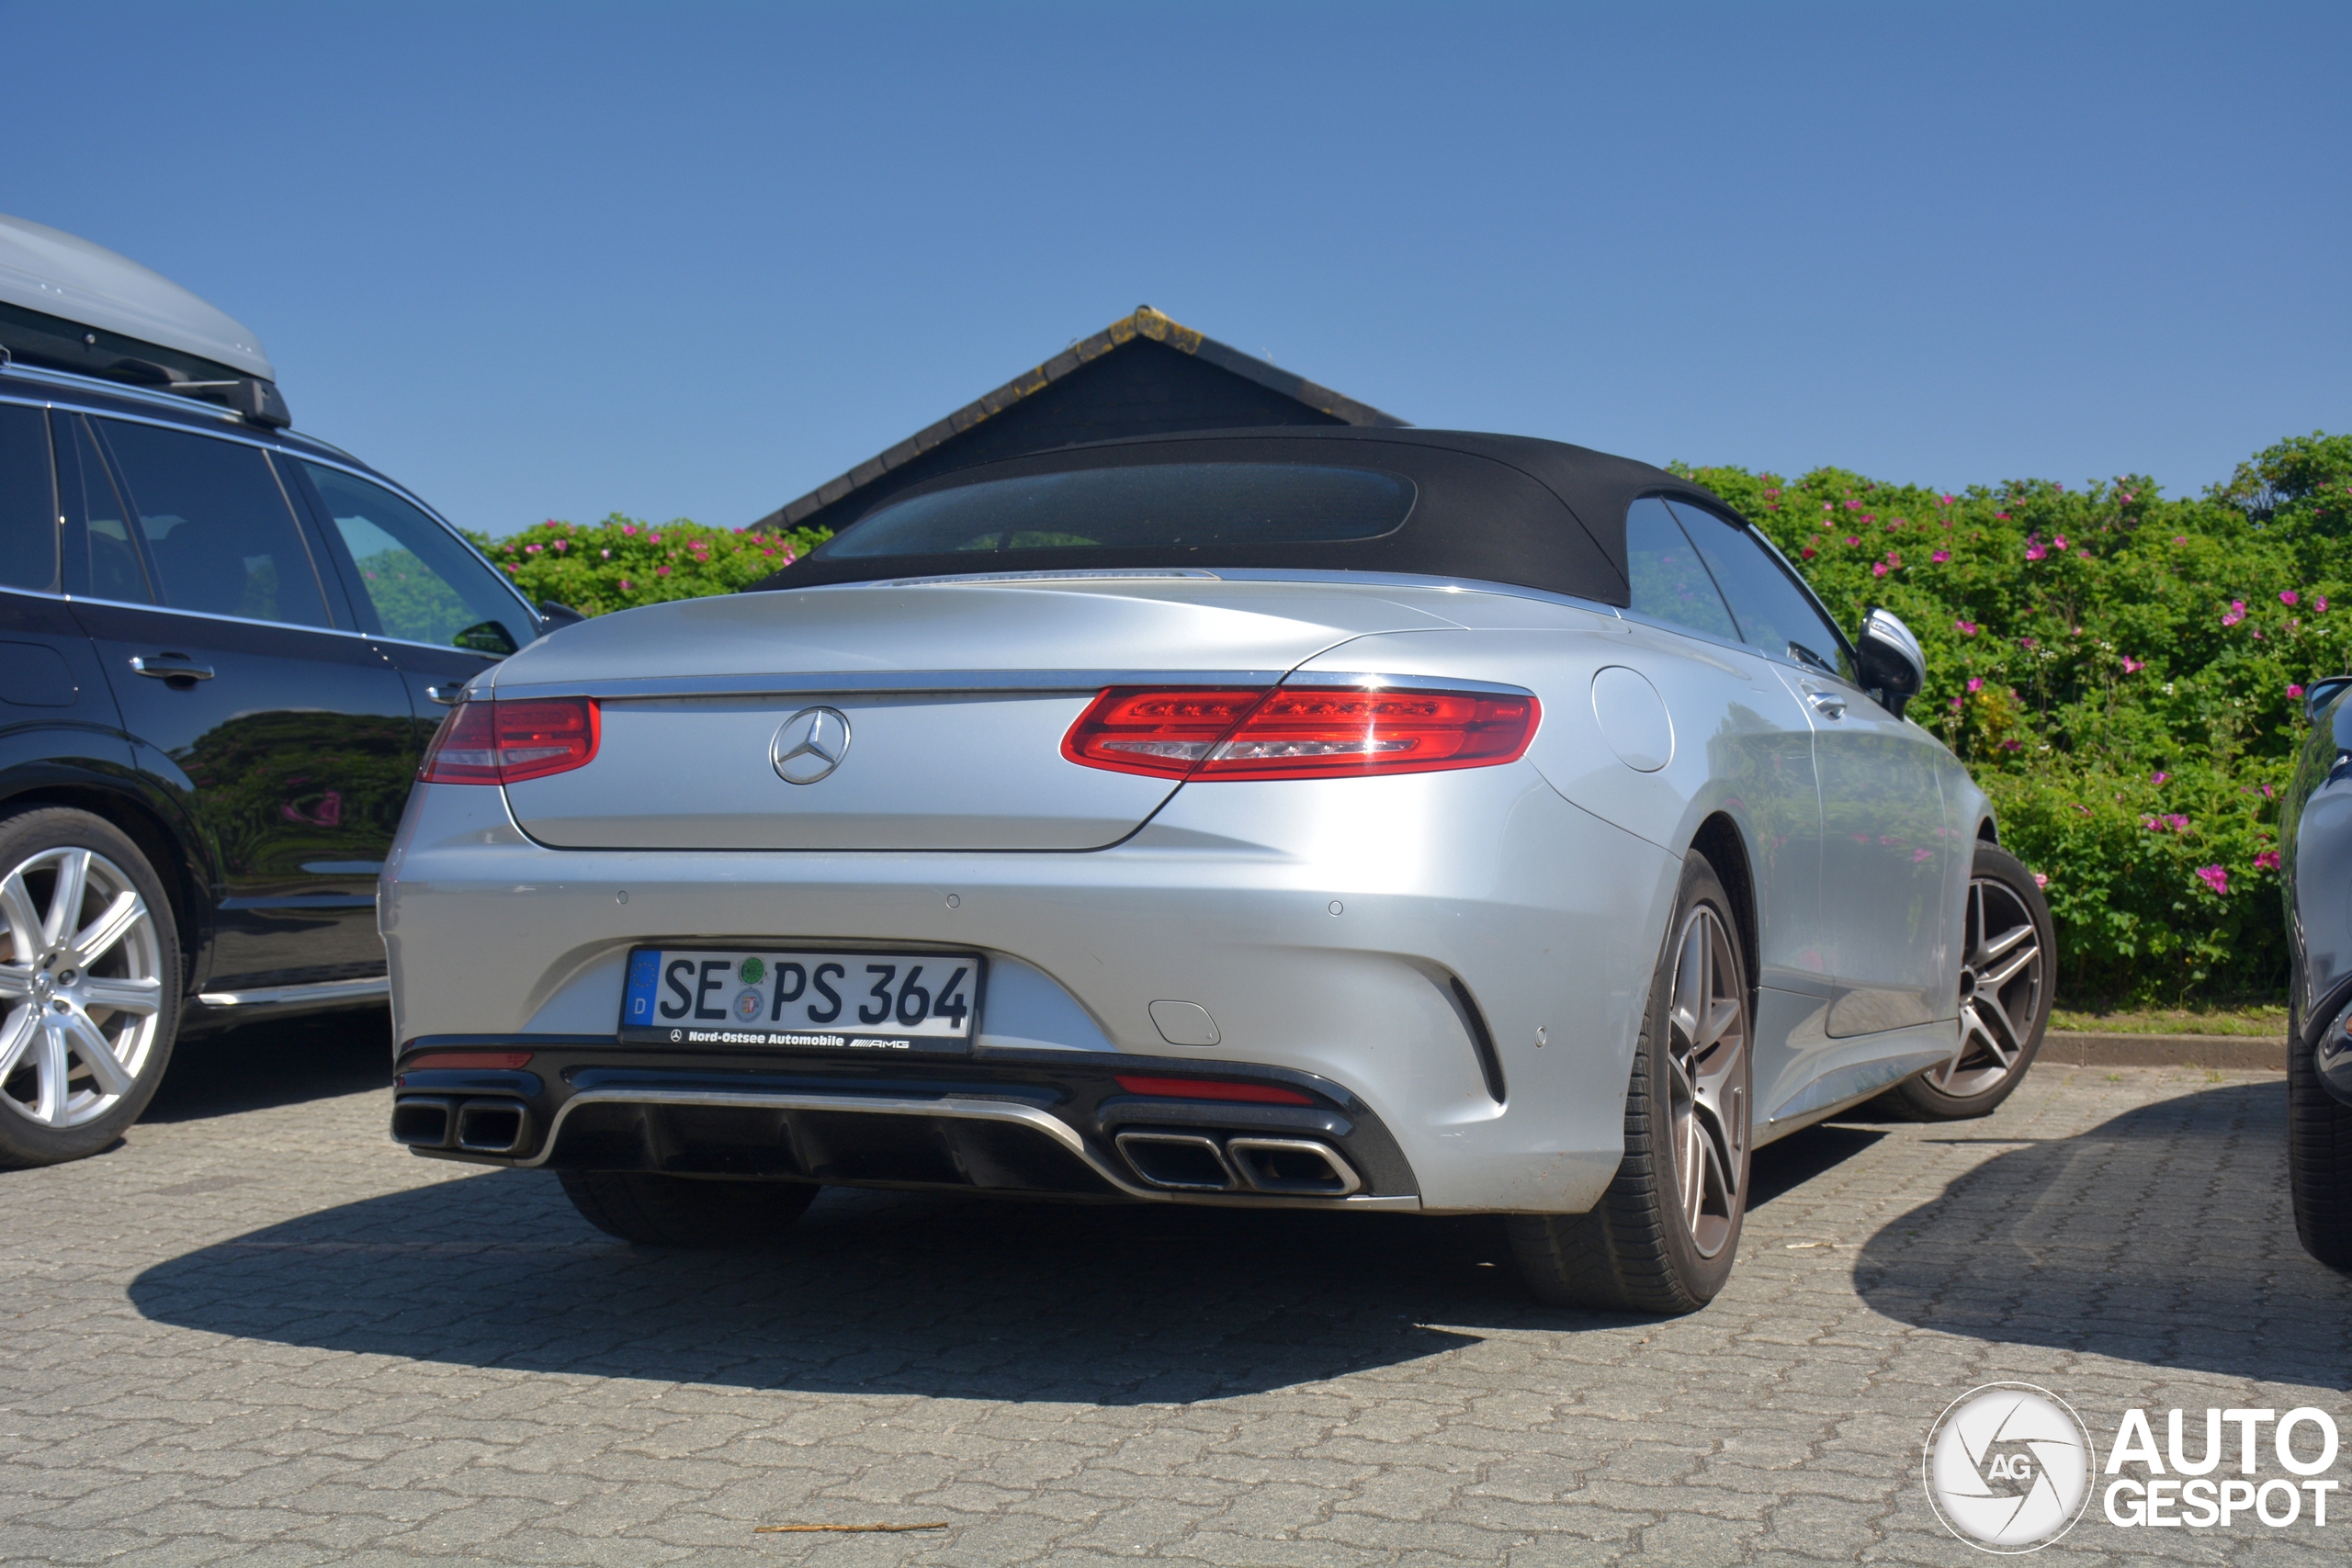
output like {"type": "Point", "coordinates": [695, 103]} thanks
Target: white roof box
{"type": "Point", "coordinates": [58, 281]}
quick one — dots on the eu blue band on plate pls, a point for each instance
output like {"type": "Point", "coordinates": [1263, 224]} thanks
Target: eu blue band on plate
{"type": "Point", "coordinates": [644, 976]}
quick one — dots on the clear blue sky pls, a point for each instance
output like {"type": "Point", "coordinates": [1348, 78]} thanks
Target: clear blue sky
{"type": "Point", "coordinates": [694, 259]}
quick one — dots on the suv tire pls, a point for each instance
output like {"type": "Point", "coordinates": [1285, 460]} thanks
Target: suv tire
{"type": "Point", "coordinates": [89, 984]}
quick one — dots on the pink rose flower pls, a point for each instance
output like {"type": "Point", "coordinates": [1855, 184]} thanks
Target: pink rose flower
{"type": "Point", "coordinates": [2133, 666]}
{"type": "Point", "coordinates": [2267, 861]}
{"type": "Point", "coordinates": [2319, 604]}
{"type": "Point", "coordinates": [2294, 689]}
{"type": "Point", "coordinates": [660, 572]}
{"type": "Point", "coordinates": [2289, 597]}
{"type": "Point", "coordinates": [1966, 629]}
{"type": "Point", "coordinates": [2040, 880]}
{"type": "Point", "coordinates": [1975, 684]}
{"type": "Point", "coordinates": [2234, 613]}
{"type": "Point", "coordinates": [1878, 569]}
{"type": "Point", "coordinates": [1852, 540]}
{"type": "Point", "coordinates": [2216, 878]}
{"type": "Point", "coordinates": [2158, 777]}
{"type": "Point", "coordinates": [1940, 557]}
{"type": "Point", "coordinates": [2060, 541]}
{"type": "Point", "coordinates": [1806, 552]}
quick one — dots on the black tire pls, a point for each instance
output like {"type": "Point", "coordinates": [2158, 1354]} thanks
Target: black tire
{"type": "Point", "coordinates": [1967, 1087]}
{"type": "Point", "coordinates": [34, 1130]}
{"type": "Point", "coordinates": [2319, 1160]}
{"type": "Point", "coordinates": [1640, 1250]}
{"type": "Point", "coordinates": [685, 1210]}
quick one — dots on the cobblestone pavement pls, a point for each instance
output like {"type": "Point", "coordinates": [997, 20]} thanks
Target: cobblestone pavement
{"type": "Point", "coordinates": [258, 1333]}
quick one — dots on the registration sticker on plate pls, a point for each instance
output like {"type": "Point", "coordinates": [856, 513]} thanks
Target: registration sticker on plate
{"type": "Point", "coordinates": [800, 999]}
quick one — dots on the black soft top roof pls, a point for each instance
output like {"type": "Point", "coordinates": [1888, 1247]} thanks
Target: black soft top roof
{"type": "Point", "coordinates": [1510, 509]}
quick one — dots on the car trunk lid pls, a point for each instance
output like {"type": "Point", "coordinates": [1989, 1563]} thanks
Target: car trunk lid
{"type": "Point", "coordinates": [946, 703]}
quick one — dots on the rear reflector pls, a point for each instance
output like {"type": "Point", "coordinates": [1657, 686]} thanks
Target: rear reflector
{"type": "Point", "coordinates": [507, 1061]}
{"type": "Point", "coordinates": [1210, 1088]}
{"type": "Point", "coordinates": [506, 742]}
{"type": "Point", "coordinates": [1290, 733]}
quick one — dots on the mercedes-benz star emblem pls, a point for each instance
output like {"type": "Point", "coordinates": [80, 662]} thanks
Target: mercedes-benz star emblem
{"type": "Point", "coordinates": [810, 745]}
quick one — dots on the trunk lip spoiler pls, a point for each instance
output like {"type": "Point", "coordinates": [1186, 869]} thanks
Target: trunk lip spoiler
{"type": "Point", "coordinates": [1043, 682]}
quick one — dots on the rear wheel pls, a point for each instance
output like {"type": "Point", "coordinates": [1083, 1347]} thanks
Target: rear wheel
{"type": "Point", "coordinates": [2319, 1160]}
{"type": "Point", "coordinates": [89, 984]}
{"type": "Point", "coordinates": [683, 1211]}
{"type": "Point", "coordinates": [2006, 956]}
{"type": "Point", "coordinates": [1662, 1239]}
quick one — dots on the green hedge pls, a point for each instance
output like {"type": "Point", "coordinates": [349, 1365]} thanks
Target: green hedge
{"type": "Point", "coordinates": [2120, 669]}
{"type": "Point", "coordinates": [623, 562]}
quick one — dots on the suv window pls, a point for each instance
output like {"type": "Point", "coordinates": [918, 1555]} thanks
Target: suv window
{"type": "Point", "coordinates": [424, 585]}
{"type": "Point", "coordinates": [115, 571]}
{"type": "Point", "coordinates": [1774, 614]}
{"type": "Point", "coordinates": [218, 528]}
{"type": "Point", "coordinates": [28, 501]}
{"type": "Point", "coordinates": [1669, 582]}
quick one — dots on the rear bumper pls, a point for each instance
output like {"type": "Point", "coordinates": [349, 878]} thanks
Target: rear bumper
{"type": "Point", "coordinates": [1377, 936]}
{"type": "Point", "coordinates": [1041, 1124]}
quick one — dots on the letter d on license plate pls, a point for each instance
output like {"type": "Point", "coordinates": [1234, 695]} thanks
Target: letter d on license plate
{"type": "Point", "coordinates": [800, 999]}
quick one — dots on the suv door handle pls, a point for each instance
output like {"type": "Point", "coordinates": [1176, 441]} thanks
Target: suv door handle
{"type": "Point", "coordinates": [171, 667]}
{"type": "Point", "coordinates": [1828, 704]}
{"type": "Point", "coordinates": [449, 696]}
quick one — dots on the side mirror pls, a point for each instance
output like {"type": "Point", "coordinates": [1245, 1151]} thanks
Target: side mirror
{"type": "Point", "coordinates": [2320, 693]}
{"type": "Point", "coordinates": [555, 617]}
{"type": "Point", "coordinates": [1892, 666]}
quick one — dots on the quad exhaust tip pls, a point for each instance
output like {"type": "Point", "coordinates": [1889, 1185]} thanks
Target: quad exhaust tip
{"type": "Point", "coordinates": [1197, 1162]}
{"type": "Point", "coordinates": [477, 1126]}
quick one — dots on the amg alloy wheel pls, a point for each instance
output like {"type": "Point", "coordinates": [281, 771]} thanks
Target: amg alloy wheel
{"type": "Point", "coordinates": [89, 982]}
{"type": "Point", "coordinates": [1663, 1237]}
{"type": "Point", "coordinates": [2005, 995]}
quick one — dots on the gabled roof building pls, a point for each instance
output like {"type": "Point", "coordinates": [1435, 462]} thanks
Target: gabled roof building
{"type": "Point", "coordinates": [1142, 374]}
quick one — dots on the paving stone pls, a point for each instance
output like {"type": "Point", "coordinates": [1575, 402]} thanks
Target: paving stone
{"type": "Point", "coordinates": [254, 1332]}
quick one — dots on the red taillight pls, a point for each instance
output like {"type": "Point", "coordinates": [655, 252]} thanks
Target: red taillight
{"type": "Point", "coordinates": [1211, 1088]}
{"type": "Point", "coordinates": [473, 1060]}
{"type": "Point", "coordinates": [1294, 733]}
{"type": "Point", "coordinates": [1166, 733]}
{"type": "Point", "coordinates": [506, 742]}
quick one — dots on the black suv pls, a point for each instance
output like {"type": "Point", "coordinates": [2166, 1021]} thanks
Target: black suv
{"type": "Point", "coordinates": [223, 648]}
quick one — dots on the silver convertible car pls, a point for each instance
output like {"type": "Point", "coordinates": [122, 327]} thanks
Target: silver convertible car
{"type": "Point", "coordinates": [1357, 819]}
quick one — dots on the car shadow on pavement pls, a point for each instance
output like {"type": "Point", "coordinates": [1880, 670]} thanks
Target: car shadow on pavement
{"type": "Point", "coordinates": [878, 1291]}
{"type": "Point", "coordinates": [2164, 1236]}
{"type": "Point", "coordinates": [275, 1063]}
{"type": "Point", "coordinates": [872, 1292]}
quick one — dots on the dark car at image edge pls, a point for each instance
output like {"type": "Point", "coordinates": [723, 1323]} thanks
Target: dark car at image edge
{"type": "Point", "coordinates": [223, 648]}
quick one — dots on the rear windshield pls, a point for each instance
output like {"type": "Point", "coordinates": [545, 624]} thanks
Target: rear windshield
{"type": "Point", "coordinates": [1158, 504]}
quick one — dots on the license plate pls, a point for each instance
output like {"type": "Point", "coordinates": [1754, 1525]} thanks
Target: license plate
{"type": "Point", "coordinates": [803, 999]}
